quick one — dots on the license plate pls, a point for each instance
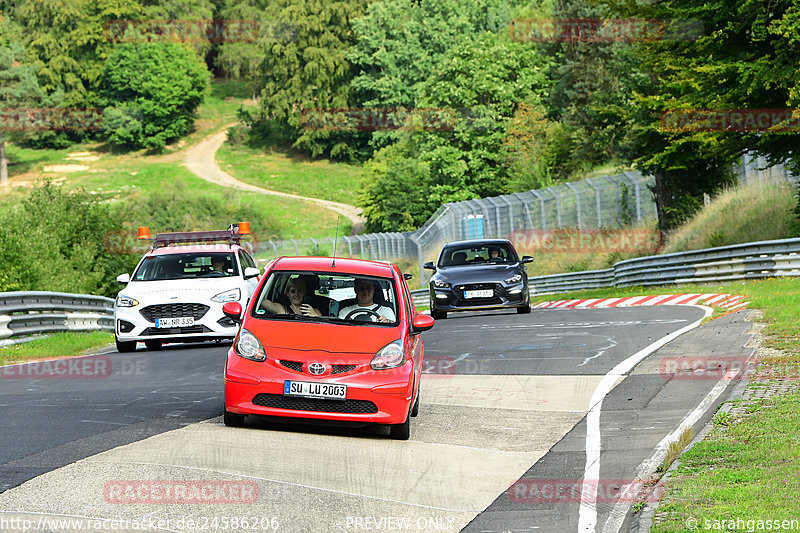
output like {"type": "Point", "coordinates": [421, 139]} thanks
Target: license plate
{"type": "Point", "coordinates": [484, 293]}
{"type": "Point", "coordinates": [324, 391]}
{"type": "Point", "coordinates": [180, 322]}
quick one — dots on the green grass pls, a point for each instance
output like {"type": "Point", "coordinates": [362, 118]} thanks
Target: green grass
{"type": "Point", "coordinates": [290, 173]}
{"type": "Point", "coordinates": [745, 471]}
{"type": "Point", "coordinates": [56, 345]}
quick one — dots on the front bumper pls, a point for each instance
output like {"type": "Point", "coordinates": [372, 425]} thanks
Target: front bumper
{"type": "Point", "coordinates": [210, 324]}
{"type": "Point", "coordinates": [504, 295]}
{"type": "Point", "coordinates": [373, 396]}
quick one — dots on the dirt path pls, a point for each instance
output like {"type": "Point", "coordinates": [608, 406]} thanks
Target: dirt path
{"type": "Point", "coordinates": [200, 159]}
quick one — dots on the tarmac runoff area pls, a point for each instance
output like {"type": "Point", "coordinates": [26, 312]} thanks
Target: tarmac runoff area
{"type": "Point", "coordinates": [468, 445]}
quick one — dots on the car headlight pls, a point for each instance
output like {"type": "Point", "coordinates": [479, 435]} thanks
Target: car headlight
{"type": "Point", "coordinates": [390, 356]}
{"type": "Point", "coordinates": [232, 295]}
{"type": "Point", "coordinates": [439, 284]}
{"type": "Point", "coordinates": [247, 346]}
{"type": "Point", "coordinates": [514, 279]}
{"type": "Point", "coordinates": [126, 301]}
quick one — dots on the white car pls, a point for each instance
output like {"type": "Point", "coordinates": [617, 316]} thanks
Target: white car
{"type": "Point", "coordinates": [177, 291]}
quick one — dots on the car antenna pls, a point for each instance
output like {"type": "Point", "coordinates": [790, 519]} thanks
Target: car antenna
{"type": "Point", "coordinates": [333, 263]}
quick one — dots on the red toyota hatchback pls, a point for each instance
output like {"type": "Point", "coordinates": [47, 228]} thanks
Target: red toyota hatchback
{"type": "Point", "coordinates": [327, 339]}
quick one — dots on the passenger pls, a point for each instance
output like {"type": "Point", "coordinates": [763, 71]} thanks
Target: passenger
{"type": "Point", "coordinates": [494, 254]}
{"type": "Point", "coordinates": [295, 292]}
{"type": "Point", "coordinates": [365, 292]}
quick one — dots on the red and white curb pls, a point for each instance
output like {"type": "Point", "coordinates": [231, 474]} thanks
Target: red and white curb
{"type": "Point", "coordinates": [726, 301]}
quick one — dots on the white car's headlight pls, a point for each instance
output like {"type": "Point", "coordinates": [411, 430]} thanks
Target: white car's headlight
{"type": "Point", "coordinates": [441, 284]}
{"type": "Point", "coordinates": [126, 301]}
{"type": "Point", "coordinates": [247, 346]}
{"type": "Point", "coordinates": [514, 279]}
{"type": "Point", "coordinates": [390, 356]}
{"type": "Point", "coordinates": [232, 295]}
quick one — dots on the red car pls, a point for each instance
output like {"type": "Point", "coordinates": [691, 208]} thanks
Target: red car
{"type": "Point", "coordinates": [332, 339]}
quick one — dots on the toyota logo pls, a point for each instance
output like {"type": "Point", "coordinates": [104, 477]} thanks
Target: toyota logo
{"type": "Point", "coordinates": [316, 368]}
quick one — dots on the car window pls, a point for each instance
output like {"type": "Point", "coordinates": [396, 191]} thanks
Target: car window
{"type": "Point", "coordinates": [246, 260]}
{"type": "Point", "coordinates": [186, 266]}
{"type": "Point", "coordinates": [332, 294]}
{"type": "Point", "coordinates": [480, 253]}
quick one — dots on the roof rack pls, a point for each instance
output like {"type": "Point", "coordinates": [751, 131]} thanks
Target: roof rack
{"type": "Point", "coordinates": [232, 235]}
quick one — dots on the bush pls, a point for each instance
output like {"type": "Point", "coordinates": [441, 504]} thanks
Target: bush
{"type": "Point", "coordinates": [151, 92]}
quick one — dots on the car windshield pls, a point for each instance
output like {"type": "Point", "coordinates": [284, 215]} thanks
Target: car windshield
{"type": "Point", "coordinates": [186, 266]}
{"type": "Point", "coordinates": [327, 296]}
{"type": "Point", "coordinates": [476, 254]}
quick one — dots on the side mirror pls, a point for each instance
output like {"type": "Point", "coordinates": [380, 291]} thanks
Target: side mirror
{"type": "Point", "coordinates": [233, 310]}
{"type": "Point", "coordinates": [422, 323]}
{"type": "Point", "coordinates": [251, 272]}
{"type": "Point", "coordinates": [124, 278]}
{"type": "Point", "coordinates": [526, 259]}
{"type": "Point", "coordinates": [429, 265]}
{"type": "Point", "coordinates": [408, 276]}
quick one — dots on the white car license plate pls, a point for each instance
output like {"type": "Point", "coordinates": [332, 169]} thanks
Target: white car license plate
{"type": "Point", "coordinates": [180, 322]}
{"type": "Point", "coordinates": [484, 293]}
{"type": "Point", "coordinates": [325, 391]}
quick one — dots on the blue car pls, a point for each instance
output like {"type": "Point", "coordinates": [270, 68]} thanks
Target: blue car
{"type": "Point", "coordinates": [478, 274]}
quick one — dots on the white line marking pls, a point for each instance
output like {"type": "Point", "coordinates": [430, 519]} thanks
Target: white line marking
{"type": "Point", "coordinates": [587, 517]}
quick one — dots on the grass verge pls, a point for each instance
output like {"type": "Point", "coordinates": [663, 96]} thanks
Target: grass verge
{"type": "Point", "coordinates": [66, 344]}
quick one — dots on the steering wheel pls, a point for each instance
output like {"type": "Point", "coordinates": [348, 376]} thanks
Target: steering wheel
{"type": "Point", "coordinates": [374, 317]}
{"type": "Point", "coordinates": [214, 274]}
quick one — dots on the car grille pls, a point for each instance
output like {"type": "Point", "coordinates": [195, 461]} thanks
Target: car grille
{"type": "Point", "coordinates": [196, 311]}
{"type": "Point", "coordinates": [278, 401]}
{"type": "Point", "coordinates": [297, 366]}
{"type": "Point", "coordinates": [176, 331]}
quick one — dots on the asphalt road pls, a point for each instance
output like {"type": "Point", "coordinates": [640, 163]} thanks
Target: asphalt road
{"type": "Point", "coordinates": [504, 404]}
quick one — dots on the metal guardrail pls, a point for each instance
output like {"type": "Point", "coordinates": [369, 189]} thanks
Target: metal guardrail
{"type": "Point", "coordinates": [754, 260]}
{"type": "Point", "coordinates": [31, 313]}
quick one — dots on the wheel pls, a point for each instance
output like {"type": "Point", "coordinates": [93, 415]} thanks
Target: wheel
{"type": "Point", "coordinates": [401, 431]}
{"type": "Point", "coordinates": [524, 309]}
{"type": "Point", "coordinates": [415, 409]}
{"type": "Point", "coordinates": [153, 345]}
{"type": "Point", "coordinates": [438, 315]}
{"type": "Point", "coordinates": [232, 420]}
{"type": "Point", "coordinates": [125, 347]}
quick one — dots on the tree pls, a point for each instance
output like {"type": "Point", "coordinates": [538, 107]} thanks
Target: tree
{"type": "Point", "coordinates": [153, 91]}
{"type": "Point", "coordinates": [310, 69]}
{"type": "Point", "coordinates": [18, 89]}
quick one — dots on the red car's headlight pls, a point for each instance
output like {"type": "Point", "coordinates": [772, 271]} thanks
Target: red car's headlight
{"type": "Point", "coordinates": [390, 356]}
{"type": "Point", "coordinates": [247, 346]}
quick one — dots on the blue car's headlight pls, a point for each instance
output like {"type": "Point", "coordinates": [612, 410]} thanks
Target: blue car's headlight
{"type": "Point", "coordinates": [514, 279]}
{"type": "Point", "coordinates": [439, 284]}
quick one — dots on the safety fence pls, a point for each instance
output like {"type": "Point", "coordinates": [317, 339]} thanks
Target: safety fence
{"type": "Point", "coordinates": [33, 313]}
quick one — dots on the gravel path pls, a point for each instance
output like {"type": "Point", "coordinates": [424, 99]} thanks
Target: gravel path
{"type": "Point", "coordinates": [200, 159]}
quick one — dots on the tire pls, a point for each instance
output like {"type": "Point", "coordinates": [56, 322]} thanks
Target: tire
{"type": "Point", "coordinates": [438, 315]}
{"type": "Point", "coordinates": [125, 347]}
{"type": "Point", "coordinates": [232, 420]}
{"type": "Point", "coordinates": [415, 409]}
{"type": "Point", "coordinates": [401, 431]}
{"type": "Point", "coordinates": [153, 345]}
{"type": "Point", "coordinates": [524, 310]}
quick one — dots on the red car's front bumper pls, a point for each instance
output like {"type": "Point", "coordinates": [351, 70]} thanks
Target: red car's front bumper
{"type": "Point", "coordinates": [373, 396]}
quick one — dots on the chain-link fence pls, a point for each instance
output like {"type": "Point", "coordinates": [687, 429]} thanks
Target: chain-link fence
{"type": "Point", "coordinates": [605, 202]}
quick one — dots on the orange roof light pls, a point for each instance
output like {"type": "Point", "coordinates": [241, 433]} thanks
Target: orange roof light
{"type": "Point", "coordinates": [144, 232]}
{"type": "Point", "coordinates": [244, 228]}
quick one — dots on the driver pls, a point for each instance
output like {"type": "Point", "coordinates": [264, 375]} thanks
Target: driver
{"type": "Point", "coordinates": [218, 264]}
{"type": "Point", "coordinates": [365, 290]}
